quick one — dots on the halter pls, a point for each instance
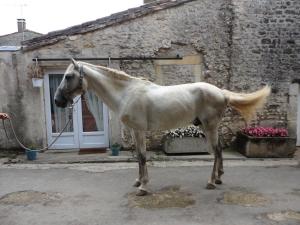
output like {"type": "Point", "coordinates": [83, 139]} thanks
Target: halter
{"type": "Point", "coordinates": [81, 74]}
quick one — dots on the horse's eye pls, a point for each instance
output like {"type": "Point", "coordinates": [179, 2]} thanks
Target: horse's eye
{"type": "Point", "coordinates": [69, 76]}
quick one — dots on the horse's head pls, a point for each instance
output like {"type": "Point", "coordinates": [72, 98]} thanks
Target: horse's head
{"type": "Point", "coordinates": [72, 85]}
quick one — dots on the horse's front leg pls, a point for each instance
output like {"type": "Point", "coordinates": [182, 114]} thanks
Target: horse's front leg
{"type": "Point", "coordinates": [141, 182]}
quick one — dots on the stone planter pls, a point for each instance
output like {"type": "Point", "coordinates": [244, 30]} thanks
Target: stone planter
{"type": "Point", "coordinates": [185, 145]}
{"type": "Point", "coordinates": [265, 147]}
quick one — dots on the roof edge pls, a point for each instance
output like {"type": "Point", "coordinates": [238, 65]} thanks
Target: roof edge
{"type": "Point", "coordinates": [27, 30]}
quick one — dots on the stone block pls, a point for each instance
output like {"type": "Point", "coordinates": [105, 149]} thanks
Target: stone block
{"type": "Point", "coordinates": [185, 145]}
{"type": "Point", "coordinates": [265, 147]}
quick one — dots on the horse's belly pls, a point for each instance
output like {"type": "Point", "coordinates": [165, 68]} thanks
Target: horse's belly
{"type": "Point", "coordinates": [168, 125]}
{"type": "Point", "coordinates": [168, 111]}
{"type": "Point", "coordinates": [160, 109]}
{"type": "Point", "coordinates": [165, 120]}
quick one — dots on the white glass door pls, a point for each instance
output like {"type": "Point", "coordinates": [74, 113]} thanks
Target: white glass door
{"type": "Point", "coordinates": [92, 120]}
{"type": "Point", "coordinates": [88, 127]}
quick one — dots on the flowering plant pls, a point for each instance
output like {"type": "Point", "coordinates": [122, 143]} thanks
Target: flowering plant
{"type": "Point", "coordinates": [265, 132]}
{"type": "Point", "coordinates": [190, 131]}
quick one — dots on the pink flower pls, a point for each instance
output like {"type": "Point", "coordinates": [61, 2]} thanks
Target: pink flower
{"type": "Point", "coordinates": [265, 132]}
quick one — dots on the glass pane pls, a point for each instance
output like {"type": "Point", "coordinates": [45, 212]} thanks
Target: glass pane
{"type": "Point", "coordinates": [59, 116]}
{"type": "Point", "coordinates": [92, 113]}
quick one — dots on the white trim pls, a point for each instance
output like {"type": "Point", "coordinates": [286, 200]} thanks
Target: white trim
{"type": "Point", "coordinates": [298, 117]}
{"type": "Point", "coordinates": [106, 124]}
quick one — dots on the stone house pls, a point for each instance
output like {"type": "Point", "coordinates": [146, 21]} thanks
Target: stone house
{"type": "Point", "coordinates": [239, 45]}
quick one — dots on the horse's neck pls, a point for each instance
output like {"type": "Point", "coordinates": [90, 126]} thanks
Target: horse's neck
{"type": "Point", "coordinates": [108, 89]}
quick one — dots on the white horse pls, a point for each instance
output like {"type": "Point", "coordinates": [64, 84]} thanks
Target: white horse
{"type": "Point", "coordinates": [144, 106]}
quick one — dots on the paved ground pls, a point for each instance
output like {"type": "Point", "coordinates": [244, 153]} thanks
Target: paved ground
{"type": "Point", "coordinates": [255, 192]}
{"type": "Point", "coordinates": [54, 157]}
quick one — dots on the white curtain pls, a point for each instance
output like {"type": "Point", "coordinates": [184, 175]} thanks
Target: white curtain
{"type": "Point", "coordinates": [95, 106]}
{"type": "Point", "coordinates": [59, 116]}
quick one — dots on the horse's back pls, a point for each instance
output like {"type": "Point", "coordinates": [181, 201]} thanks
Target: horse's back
{"type": "Point", "coordinates": [199, 92]}
{"type": "Point", "coordinates": [179, 105]}
{"type": "Point", "coordinates": [154, 107]}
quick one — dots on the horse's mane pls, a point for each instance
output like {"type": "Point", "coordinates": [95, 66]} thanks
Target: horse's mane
{"type": "Point", "coordinates": [116, 74]}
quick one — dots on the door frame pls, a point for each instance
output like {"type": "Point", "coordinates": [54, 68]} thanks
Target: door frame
{"type": "Point", "coordinates": [77, 135]}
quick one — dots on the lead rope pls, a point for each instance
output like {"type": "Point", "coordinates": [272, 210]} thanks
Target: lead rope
{"type": "Point", "coordinates": [48, 146]}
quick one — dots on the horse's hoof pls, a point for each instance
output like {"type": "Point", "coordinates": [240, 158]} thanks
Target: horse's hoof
{"type": "Point", "coordinates": [210, 186]}
{"type": "Point", "coordinates": [141, 192]}
{"type": "Point", "coordinates": [137, 184]}
{"type": "Point", "coordinates": [218, 181]}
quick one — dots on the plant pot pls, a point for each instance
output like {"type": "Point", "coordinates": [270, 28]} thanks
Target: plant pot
{"type": "Point", "coordinates": [265, 147]}
{"type": "Point", "coordinates": [31, 155]}
{"type": "Point", "coordinates": [37, 82]}
{"type": "Point", "coordinates": [185, 145]}
{"type": "Point", "coordinates": [115, 150]}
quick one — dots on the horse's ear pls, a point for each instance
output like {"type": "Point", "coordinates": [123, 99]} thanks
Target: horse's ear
{"type": "Point", "coordinates": [75, 63]}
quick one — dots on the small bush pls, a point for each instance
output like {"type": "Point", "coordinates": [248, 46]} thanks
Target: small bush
{"type": "Point", "coordinates": [190, 131]}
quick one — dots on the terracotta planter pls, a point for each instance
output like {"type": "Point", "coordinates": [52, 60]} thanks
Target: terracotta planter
{"type": "Point", "coordinates": [265, 147]}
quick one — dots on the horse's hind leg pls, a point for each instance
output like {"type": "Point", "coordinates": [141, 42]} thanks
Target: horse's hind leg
{"type": "Point", "coordinates": [141, 182]}
{"type": "Point", "coordinates": [220, 169]}
{"type": "Point", "coordinates": [212, 139]}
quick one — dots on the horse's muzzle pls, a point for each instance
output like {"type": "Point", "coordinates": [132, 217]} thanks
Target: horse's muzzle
{"type": "Point", "coordinates": [60, 101]}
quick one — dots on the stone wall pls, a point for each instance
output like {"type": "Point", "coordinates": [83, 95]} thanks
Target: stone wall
{"type": "Point", "coordinates": [23, 102]}
{"type": "Point", "coordinates": [265, 50]}
{"type": "Point", "coordinates": [180, 30]}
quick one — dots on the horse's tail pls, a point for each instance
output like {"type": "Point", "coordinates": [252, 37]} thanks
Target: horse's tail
{"type": "Point", "coordinates": [247, 104]}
